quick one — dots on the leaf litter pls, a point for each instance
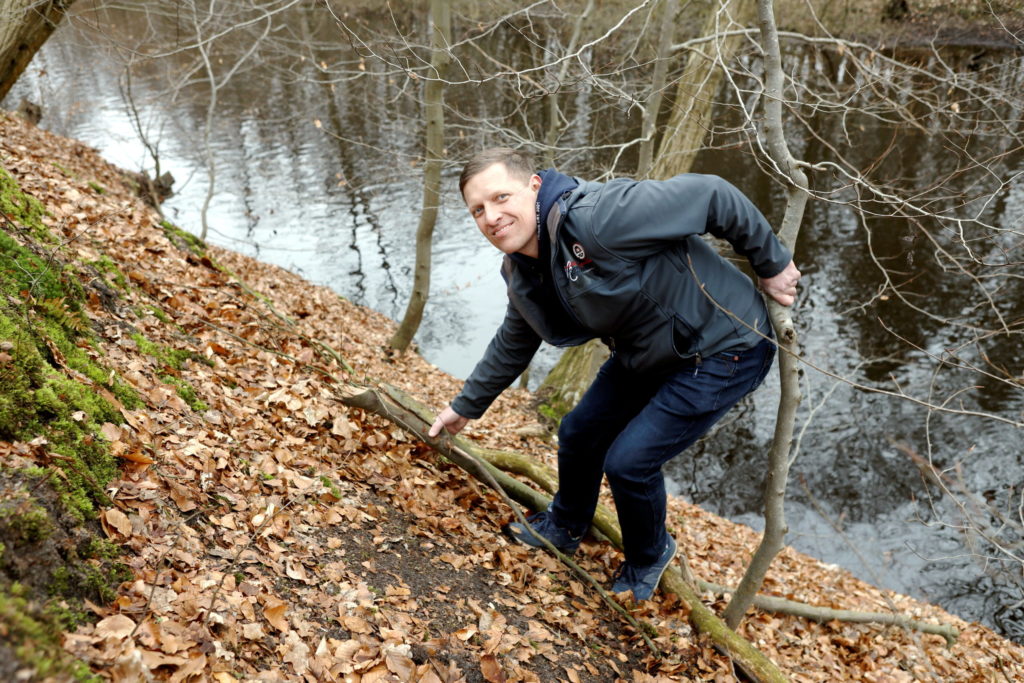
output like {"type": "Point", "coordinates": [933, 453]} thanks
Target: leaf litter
{"type": "Point", "coordinates": [278, 535]}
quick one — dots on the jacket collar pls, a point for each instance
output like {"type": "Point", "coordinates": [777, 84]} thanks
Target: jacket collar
{"type": "Point", "coordinates": [554, 186]}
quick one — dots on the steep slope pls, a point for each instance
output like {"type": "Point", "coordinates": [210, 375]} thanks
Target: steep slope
{"type": "Point", "coordinates": [267, 531]}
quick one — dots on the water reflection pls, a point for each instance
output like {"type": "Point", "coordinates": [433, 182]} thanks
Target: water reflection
{"type": "Point", "coordinates": [339, 203]}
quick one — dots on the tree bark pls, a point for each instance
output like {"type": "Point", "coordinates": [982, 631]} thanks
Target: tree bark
{"type": "Point", "coordinates": [565, 385]}
{"type": "Point", "coordinates": [433, 110]}
{"type": "Point", "coordinates": [668, 20]}
{"type": "Point", "coordinates": [554, 113]}
{"type": "Point", "coordinates": [778, 460]}
{"type": "Point", "coordinates": [24, 26]}
{"type": "Point", "coordinates": [695, 95]}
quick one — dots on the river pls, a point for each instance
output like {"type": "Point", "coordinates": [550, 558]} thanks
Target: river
{"type": "Point", "coordinates": [321, 178]}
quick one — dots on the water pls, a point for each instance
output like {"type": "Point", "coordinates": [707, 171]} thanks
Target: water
{"type": "Point", "coordinates": [318, 173]}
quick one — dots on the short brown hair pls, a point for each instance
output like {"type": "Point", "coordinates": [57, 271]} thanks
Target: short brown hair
{"type": "Point", "coordinates": [519, 164]}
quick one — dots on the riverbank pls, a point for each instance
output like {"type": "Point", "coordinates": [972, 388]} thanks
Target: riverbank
{"type": "Point", "coordinates": [271, 533]}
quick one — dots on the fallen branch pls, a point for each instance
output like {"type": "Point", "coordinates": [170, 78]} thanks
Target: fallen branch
{"type": "Point", "coordinates": [822, 614]}
{"type": "Point", "coordinates": [396, 407]}
{"type": "Point", "coordinates": [412, 420]}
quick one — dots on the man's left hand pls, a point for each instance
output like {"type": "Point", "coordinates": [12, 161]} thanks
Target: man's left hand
{"type": "Point", "coordinates": [782, 287]}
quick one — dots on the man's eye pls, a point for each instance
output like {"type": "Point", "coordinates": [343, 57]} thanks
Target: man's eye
{"type": "Point", "coordinates": [476, 211]}
{"type": "Point", "coordinates": [502, 197]}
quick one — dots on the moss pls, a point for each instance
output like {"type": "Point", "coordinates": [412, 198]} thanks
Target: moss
{"type": "Point", "coordinates": [23, 209]}
{"type": "Point", "coordinates": [26, 276]}
{"type": "Point", "coordinates": [549, 413]}
{"type": "Point", "coordinates": [53, 389]}
{"type": "Point", "coordinates": [38, 398]}
{"type": "Point", "coordinates": [159, 314]}
{"type": "Point", "coordinates": [105, 264]}
{"type": "Point", "coordinates": [34, 634]}
{"type": "Point", "coordinates": [334, 490]}
{"type": "Point", "coordinates": [33, 524]}
{"type": "Point", "coordinates": [183, 240]}
{"type": "Point", "coordinates": [102, 548]}
{"type": "Point", "coordinates": [63, 169]}
{"type": "Point", "coordinates": [173, 358]}
{"type": "Point", "coordinates": [96, 187]}
{"type": "Point", "coordinates": [186, 392]}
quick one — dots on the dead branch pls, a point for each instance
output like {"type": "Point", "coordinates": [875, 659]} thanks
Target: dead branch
{"type": "Point", "coordinates": [388, 405]}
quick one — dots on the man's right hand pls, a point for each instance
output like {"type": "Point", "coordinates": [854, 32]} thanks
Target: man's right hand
{"type": "Point", "coordinates": [450, 420]}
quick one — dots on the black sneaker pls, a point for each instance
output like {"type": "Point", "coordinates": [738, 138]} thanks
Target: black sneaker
{"type": "Point", "coordinates": [643, 580]}
{"type": "Point", "coordinates": [544, 524]}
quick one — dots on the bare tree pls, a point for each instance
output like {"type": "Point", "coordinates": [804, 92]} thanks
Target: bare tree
{"type": "Point", "coordinates": [433, 113]}
{"type": "Point", "coordinates": [24, 27]}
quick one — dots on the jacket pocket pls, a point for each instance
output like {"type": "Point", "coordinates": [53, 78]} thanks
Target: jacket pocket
{"type": "Point", "coordinates": [684, 339]}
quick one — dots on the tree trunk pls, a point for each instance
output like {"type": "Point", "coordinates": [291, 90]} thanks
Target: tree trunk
{"type": "Point", "coordinates": [695, 94]}
{"type": "Point", "coordinates": [554, 113]}
{"type": "Point", "coordinates": [24, 27]}
{"type": "Point", "coordinates": [668, 20]}
{"type": "Point", "coordinates": [564, 386]}
{"type": "Point", "coordinates": [778, 459]}
{"type": "Point", "coordinates": [433, 110]}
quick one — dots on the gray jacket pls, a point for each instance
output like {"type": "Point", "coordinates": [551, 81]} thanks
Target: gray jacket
{"type": "Point", "coordinates": [626, 263]}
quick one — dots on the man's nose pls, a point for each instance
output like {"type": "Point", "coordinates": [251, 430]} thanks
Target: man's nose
{"type": "Point", "coordinates": [491, 213]}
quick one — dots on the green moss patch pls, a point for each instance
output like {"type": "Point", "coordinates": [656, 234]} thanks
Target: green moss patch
{"type": "Point", "coordinates": [48, 566]}
{"type": "Point", "coordinates": [24, 210]}
{"type": "Point", "coordinates": [104, 264]}
{"type": "Point", "coordinates": [182, 239]}
{"type": "Point", "coordinates": [173, 358]}
{"type": "Point", "coordinates": [186, 392]}
{"type": "Point", "coordinates": [55, 394]}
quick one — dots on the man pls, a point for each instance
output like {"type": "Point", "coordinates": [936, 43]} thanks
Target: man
{"type": "Point", "coordinates": [689, 333]}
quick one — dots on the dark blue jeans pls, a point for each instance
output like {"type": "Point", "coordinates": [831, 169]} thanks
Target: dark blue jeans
{"type": "Point", "coordinates": [627, 427]}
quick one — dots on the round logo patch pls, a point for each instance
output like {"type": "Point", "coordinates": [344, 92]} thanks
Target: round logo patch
{"type": "Point", "coordinates": [577, 250]}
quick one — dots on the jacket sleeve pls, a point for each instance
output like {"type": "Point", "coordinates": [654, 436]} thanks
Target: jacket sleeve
{"type": "Point", "coordinates": [507, 356]}
{"type": "Point", "coordinates": [635, 219]}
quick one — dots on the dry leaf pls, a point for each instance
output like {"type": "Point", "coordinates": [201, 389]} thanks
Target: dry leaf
{"type": "Point", "coordinates": [356, 624]}
{"type": "Point", "coordinates": [274, 613]}
{"type": "Point", "coordinates": [491, 670]}
{"type": "Point", "coordinates": [110, 431]}
{"type": "Point", "coordinates": [116, 626]}
{"type": "Point", "coordinates": [192, 667]}
{"type": "Point", "coordinates": [139, 457]}
{"type": "Point", "coordinates": [119, 521]}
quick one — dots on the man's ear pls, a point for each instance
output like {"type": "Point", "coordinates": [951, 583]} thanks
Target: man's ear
{"type": "Point", "coordinates": [535, 182]}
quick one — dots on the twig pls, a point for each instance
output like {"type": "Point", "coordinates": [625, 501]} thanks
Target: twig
{"type": "Point", "coordinates": [485, 469]}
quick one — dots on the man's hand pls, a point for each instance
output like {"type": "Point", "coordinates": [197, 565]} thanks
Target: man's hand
{"type": "Point", "coordinates": [782, 287]}
{"type": "Point", "coordinates": [450, 420]}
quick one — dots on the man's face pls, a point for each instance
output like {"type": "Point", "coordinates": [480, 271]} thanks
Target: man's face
{"type": "Point", "coordinates": [504, 209]}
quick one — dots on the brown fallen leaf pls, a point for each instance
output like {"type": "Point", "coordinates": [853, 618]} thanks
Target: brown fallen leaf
{"type": "Point", "coordinates": [491, 669]}
{"type": "Point", "coordinates": [138, 456]}
{"type": "Point", "coordinates": [119, 521]}
{"type": "Point", "coordinates": [110, 431]}
{"type": "Point", "coordinates": [274, 613]}
{"type": "Point", "coordinates": [192, 667]}
{"type": "Point", "coordinates": [116, 626]}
